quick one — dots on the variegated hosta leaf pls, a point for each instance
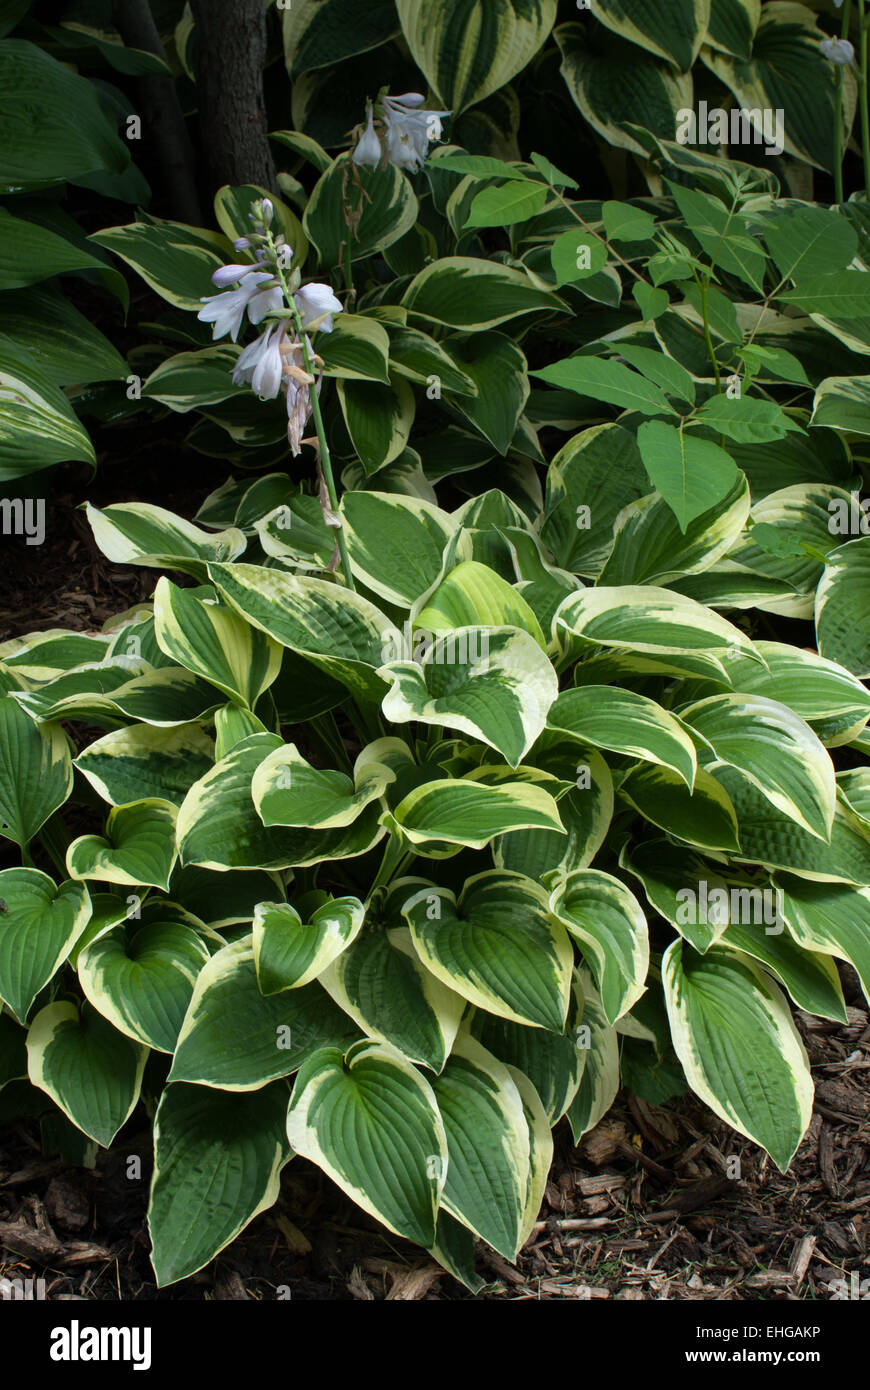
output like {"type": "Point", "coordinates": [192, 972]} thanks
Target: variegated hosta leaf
{"type": "Point", "coordinates": [36, 775]}
{"type": "Point", "coordinates": [473, 594]}
{"type": "Point", "coordinates": [703, 817]}
{"type": "Point", "coordinates": [464, 292]}
{"type": "Point", "coordinates": [733, 1032]}
{"type": "Point", "coordinates": [90, 1070]}
{"type": "Point", "coordinates": [625, 723]}
{"type": "Point", "coordinates": [138, 533]}
{"type": "Point", "coordinates": [217, 1164]}
{"type": "Point", "coordinates": [830, 918]}
{"type": "Point", "coordinates": [468, 51]}
{"type": "Point", "coordinates": [772, 747]}
{"type": "Point", "coordinates": [642, 618]}
{"type": "Point", "coordinates": [607, 922]}
{"type": "Point", "coordinates": [370, 1121]}
{"type": "Point", "coordinates": [142, 981]}
{"type": "Point", "coordinates": [235, 1038]}
{"type": "Point", "coordinates": [650, 548]}
{"type": "Point", "coordinates": [40, 656]}
{"type": "Point", "coordinates": [552, 1061]}
{"type": "Point", "coordinates": [287, 790]}
{"type": "Point", "coordinates": [232, 725]}
{"type": "Point", "coordinates": [810, 977]}
{"type": "Point", "coordinates": [814, 687]}
{"type": "Point", "coordinates": [783, 74]}
{"type": "Point", "coordinates": [388, 209]}
{"type": "Point", "coordinates": [147, 761]}
{"type": "Point", "coordinates": [488, 1146]}
{"type": "Point", "coordinates": [138, 848]}
{"type": "Point", "coordinates": [382, 984]}
{"type": "Point", "coordinates": [771, 838]}
{"type": "Point", "coordinates": [686, 890]}
{"type": "Point", "coordinates": [496, 946]}
{"type": "Point", "coordinates": [600, 1081]}
{"type": "Point", "coordinates": [471, 813]}
{"type": "Point", "coordinates": [340, 632]}
{"type": "Point", "coordinates": [218, 825]}
{"type": "Point", "coordinates": [673, 29]}
{"type": "Point", "coordinates": [290, 952]}
{"type": "Point", "coordinates": [493, 683]}
{"type": "Point", "coordinates": [39, 926]}
{"type": "Point", "coordinates": [853, 787]}
{"type": "Point", "coordinates": [590, 481]}
{"type": "Point", "coordinates": [215, 643]}
{"type": "Point", "coordinates": [614, 91]}
{"type": "Point", "coordinates": [843, 607]}
{"type": "Point", "coordinates": [379, 418]}
{"type": "Point", "coordinates": [586, 812]}
{"type": "Point", "coordinates": [191, 380]}
{"type": "Point", "coordinates": [792, 552]}
{"type": "Point", "coordinates": [164, 698]}
{"type": "Point", "coordinates": [540, 1151]}
{"type": "Point", "coordinates": [395, 543]}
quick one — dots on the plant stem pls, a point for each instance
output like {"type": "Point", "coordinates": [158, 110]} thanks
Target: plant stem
{"type": "Point", "coordinates": [396, 858]}
{"type": "Point", "coordinates": [325, 456]}
{"type": "Point", "coordinates": [703, 286]}
{"type": "Point", "coordinates": [865, 100]}
{"type": "Point", "coordinates": [838, 139]}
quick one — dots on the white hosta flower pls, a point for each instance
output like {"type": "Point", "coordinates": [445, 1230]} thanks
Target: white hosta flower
{"type": "Point", "coordinates": [227, 311]}
{"type": "Point", "coordinates": [313, 301]}
{"type": "Point", "coordinates": [368, 152]}
{"type": "Point", "coordinates": [410, 129]}
{"type": "Point", "coordinates": [261, 365]}
{"type": "Point", "coordinates": [839, 52]}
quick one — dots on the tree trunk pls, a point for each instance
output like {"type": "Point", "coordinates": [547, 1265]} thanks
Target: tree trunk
{"type": "Point", "coordinates": [168, 152]}
{"type": "Point", "coordinates": [231, 55]}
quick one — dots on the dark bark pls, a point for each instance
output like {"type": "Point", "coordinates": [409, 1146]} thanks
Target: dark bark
{"type": "Point", "coordinates": [231, 54]}
{"type": "Point", "coordinates": [168, 153]}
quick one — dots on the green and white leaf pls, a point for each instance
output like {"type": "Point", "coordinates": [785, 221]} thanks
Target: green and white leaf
{"type": "Point", "coordinates": [290, 952]}
{"type": "Point", "coordinates": [36, 774]}
{"type": "Point", "coordinates": [90, 1071]}
{"type": "Point", "coordinates": [370, 1121]}
{"type": "Point", "coordinates": [626, 723]}
{"type": "Point", "coordinates": [217, 1165]}
{"type": "Point", "coordinates": [142, 981]}
{"type": "Point", "coordinates": [488, 1146]}
{"type": "Point", "coordinates": [237, 1039]}
{"type": "Point", "coordinates": [37, 931]}
{"type": "Point", "coordinates": [493, 683]}
{"type": "Point", "coordinates": [496, 946]}
{"type": "Point", "coordinates": [138, 848]}
{"type": "Point", "coordinates": [384, 986]}
{"type": "Point", "coordinates": [733, 1032]}
{"type": "Point", "coordinates": [147, 761]}
{"type": "Point", "coordinates": [607, 922]}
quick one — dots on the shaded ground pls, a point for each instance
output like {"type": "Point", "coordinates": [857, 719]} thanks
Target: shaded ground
{"type": "Point", "coordinates": [644, 1209]}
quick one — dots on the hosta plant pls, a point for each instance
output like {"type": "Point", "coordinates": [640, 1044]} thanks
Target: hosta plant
{"type": "Point", "coordinates": [394, 878]}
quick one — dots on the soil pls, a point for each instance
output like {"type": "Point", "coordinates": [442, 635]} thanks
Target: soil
{"type": "Point", "coordinates": [656, 1203]}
